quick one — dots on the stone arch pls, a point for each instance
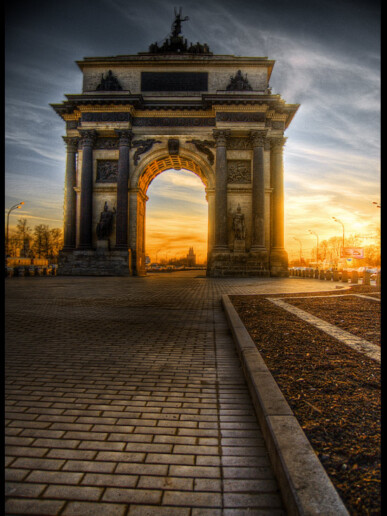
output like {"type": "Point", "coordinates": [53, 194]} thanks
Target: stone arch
{"type": "Point", "coordinates": [147, 170]}
{"type": "Point", "coordinates": [160, 160]}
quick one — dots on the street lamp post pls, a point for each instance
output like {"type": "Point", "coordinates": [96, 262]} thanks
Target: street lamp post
{"type": "Point", "coordinates": [299, 241]}
{"type": "Point", "coordinates": [339, 221]}
{"type": "Point", "coordinates": [316, 235]}
{"type": "Point", "coordinates": [14, 207]}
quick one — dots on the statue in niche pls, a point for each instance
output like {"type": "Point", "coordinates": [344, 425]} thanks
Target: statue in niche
{"type": "Point", "coordinates": [238, 224]}
{"type": "Point", "coordinates": [105, 224]}
{"type": "Point", "coordinates": [238, 83]}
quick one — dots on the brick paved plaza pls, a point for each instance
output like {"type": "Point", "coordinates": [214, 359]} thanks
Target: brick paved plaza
{"type": "Point", "coordinates": [125, 396]}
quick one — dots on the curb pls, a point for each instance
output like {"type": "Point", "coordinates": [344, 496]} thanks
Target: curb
{"type": "Point", "coordinates": [305, 486]}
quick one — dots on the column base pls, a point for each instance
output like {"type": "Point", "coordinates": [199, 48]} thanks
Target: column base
{"type": "Point", "coordinates": [279, 265]}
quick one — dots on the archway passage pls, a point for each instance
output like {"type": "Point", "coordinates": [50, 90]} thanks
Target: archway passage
{"type": "Point", "coordinates": [167, 163]}
{"type": "Point", "coordinates": [176, 220]}
{"type": "Point", "coordinates": [139, 199]}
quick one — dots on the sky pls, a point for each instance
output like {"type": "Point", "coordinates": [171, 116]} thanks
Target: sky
{"type": "Point", "coordinates": [327, 59]}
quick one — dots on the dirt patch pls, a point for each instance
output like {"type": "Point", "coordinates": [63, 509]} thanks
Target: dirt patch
{"type": "Point", "coordinates": [333, 390]}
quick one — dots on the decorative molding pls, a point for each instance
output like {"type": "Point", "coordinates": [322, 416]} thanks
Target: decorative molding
{"type": "Point", "coordinates": [202, 146]}
{"type": "Point", "coordinates": [221, 136]}
{"type": "Point", "coordinates": [239, 83]}
{"type": "Point", "coordinates": [277, 144]}
{"type": "Point", "coordinates": [107, 171]}
{"type": "Point", "coordinates": [72, 124]}
{"type": "Point", "coordinates": [238, 171]}
{"type": "Point", "coordinates": [278, 124]}
{"type": "Point", "coordinates": [109, 83]}
{"type": "Point", "coordinates": [258, 138]}
{"type": "Point", "coordinates": [142, 147]}
{"type": "Point", "coordinates": [106, 143]}
{"type": "Point", "coordinates": [71, 143]}
{"type": "Point", "coordinates": [173, 122]}
{"type": "Point", "coordinates": [88, 137]}
{"type": "Point", "coordinates": [240, 117]}
{"type": "Point", "coordinates": [124, 137]}
{"type": "Point", "coordinates": [239, 144]}
{"type": "Point", "coordinates": [112, 116]}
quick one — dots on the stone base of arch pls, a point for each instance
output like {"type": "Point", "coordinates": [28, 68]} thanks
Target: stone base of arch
{"type": "Point", "coordinates": [238, 265]}
{"type": "Point", "coordinates": [95, 262]}
{"type": "Point", "coordinates": [279, 263]}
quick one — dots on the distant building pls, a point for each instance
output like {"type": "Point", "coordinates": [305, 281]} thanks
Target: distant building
{"type": "Point", "coordinates": [191, 257]}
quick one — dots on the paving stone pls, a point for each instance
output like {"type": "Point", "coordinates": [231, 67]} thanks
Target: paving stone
{"type": "Point", "coordinates": [73, 492]}
{"type": "Point", "coordinates": [33, 506]}
{"type": "Point", "coordinates": [132, 385]}
{"type": "Point", "coordinates": [132, 495]}
{"type": "Point", "coordinates": [94, 509]}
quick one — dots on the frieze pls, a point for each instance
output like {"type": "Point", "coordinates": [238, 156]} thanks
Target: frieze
{"type": "Point", "coordinates": [240, 117]}
{"type": "Point", "coordinates": [278, 125]}
{"type": "Point", "coordinates": [106, 143]}
{"type": "Point", "coordinates": [239, 144]}
{"type": "Point", "coordinates": [106, 117]}
{"type": "Point", "coordinates": [202, 146]}
{"type": "Point", "coordinates": [173, 122]}
{"type": "Point", "coordinates": [72, 124]}
{"type": "Point", "coordinates": [238, 171]}
{"type": "Point", "coordinates": [142, 147]}
{"type": "Point", "coordinates": [107, 171]}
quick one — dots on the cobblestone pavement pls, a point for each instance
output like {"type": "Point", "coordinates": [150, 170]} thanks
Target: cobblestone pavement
{"type": "Point", "coordinates": [125, 396]}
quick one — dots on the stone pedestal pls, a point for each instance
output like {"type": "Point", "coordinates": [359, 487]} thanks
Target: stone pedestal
{"type": "Point", "coordinates": [239, 246]}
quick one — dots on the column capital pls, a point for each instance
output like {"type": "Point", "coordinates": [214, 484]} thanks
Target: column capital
{"type": "Point", "coordinates": [221, 136]}
{"type": "Point", "coordinates": [124, 136]}
{"type": "Point", "coordinates": [88, 137]}
{"type": "Point", "coordinates": [258, 138]}
{"type": "Point", "coordinates": [71, 143]}
{"type": "Point", "coordinates": [277, 144]}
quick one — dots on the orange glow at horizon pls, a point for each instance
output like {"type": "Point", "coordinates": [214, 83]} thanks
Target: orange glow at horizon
{"type": "Point", "coordinates": [176, 217]}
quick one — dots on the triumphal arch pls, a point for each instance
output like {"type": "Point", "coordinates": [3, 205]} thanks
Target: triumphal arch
{"type": "Point", "coordinates": [177, 106]}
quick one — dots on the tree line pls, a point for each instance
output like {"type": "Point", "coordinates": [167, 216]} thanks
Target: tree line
{"type": "Point", "coordinates": [39, 242]}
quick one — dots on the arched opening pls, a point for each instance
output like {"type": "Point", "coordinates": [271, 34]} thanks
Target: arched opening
{"type": "Point", "coordinates": [176, 221]}
{"type": "Point", "coordinates": [180, 213]}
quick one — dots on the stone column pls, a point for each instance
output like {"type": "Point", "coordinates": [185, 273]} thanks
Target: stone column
{"type": "Point", "coordinates": [133, 195]}
{"type": "Point", "coordinates": [277, 183]}
{"type": "Point", "coordinates": [125, 138]}
{"type": "Point", "coordinates": [85, 226]}
{"type": "Point", "coordinates": [69, 229]}
{"type": "Point", "coordinates": [258, 192]}
{"type": "Point", "coordinates": [278, 255]}
{"type": "Point", "coordinates": [210, 196]}
{"type": "Point", "coordinates": [221, 237]}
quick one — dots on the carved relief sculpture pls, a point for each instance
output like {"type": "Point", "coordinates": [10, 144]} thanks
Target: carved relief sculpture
{"type": "Point", "coordinates": [109, 83]}
{"type": "Point", "coordinates": [107, 171]}
{"type": "Point", "coordinates": [143, 146]}
{"type": "Point", "coordinates": [105, 224]}
{"type": "Point", "coordinates": [239, 83]}
{"type": "Point", "coordinates": [239, 171]}
{"type": "Point", "coordinates": [202, 146]}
